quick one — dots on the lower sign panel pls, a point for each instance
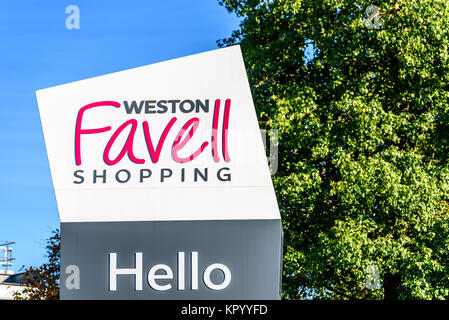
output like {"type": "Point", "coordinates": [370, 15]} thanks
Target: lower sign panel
{"type": "Point", "coordinates": [235, 259]}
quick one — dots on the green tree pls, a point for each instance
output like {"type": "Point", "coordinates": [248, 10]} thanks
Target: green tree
{"type": "Point", "coordinates": [43, 282]}
{"type": "Point", "coordinates": [362, 110]}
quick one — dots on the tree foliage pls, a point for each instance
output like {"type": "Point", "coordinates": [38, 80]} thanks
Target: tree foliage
{"type": "Point", "coordinates": [363, 119]}
{"type": "Point", "coordinates": [43, 282]}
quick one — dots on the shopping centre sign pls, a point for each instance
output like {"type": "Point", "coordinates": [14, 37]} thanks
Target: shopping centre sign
{"type": "Point", "coordinates": [162, 183]}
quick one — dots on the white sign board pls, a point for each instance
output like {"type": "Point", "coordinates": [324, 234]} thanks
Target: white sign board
{"type": "Point", "coordinates": [177, 140]}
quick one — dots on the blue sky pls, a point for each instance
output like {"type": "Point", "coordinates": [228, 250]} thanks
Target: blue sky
{"type": "Point", "coordinates": [38, 51]}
